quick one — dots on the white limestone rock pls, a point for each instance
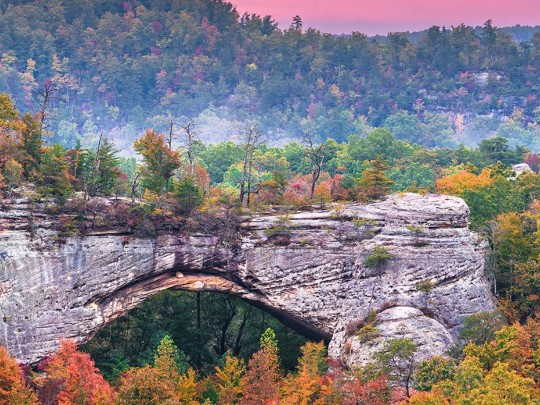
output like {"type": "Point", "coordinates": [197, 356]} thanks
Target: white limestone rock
{"type": "Point", "coordinates": [307, 268]}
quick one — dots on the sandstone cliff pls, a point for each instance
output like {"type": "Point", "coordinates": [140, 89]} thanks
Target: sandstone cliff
{"type": "Point", "coordinates": [307, 268]}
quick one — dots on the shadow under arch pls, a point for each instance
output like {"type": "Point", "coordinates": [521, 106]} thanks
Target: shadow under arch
{"type": "Point", "coordinates": [133, 294]}
{"type": "Point", "coordinates": [229, 323]}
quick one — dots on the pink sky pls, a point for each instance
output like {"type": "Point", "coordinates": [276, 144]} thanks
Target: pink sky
{"type": "Point", "coordinates": [382, 16]}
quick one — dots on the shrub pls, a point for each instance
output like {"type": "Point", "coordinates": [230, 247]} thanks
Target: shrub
{"type": "Point", "coordinates": [359, 222]}
{"type": "Point", "coordinates": [378, 258]}
{"type": "Point", "coordinates": [371, 316]}
{"type": "Point", "coordinates": [425, 286]}
{"type": "Point", "coordinates": [276, 230]}
{"type": "Point", "coordinates": [367, 333]}
{"type": "Point", "coordinates": [280, 229]}
{"type": "Point", "coordinates": [416, 229]}
{"type": "Point", "coordinates": [481, 327]}
{"type": "Point", "coordinates": [353, 326]}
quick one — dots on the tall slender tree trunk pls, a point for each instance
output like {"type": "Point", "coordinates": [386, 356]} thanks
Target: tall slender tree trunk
{"type": "Point", "coordinates": [249, 182]}
{"type": "Point", "coordinates": [198, 359]}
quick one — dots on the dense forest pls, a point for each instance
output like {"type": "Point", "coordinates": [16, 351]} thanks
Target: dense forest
{"type": "Point", "coordinates": [183, 116]}
{"type": "Point", "coordinates": [124, 66]}
{"type": "Point", "coordinates": [205, 187]}
{"type": "Point", "coordinates": [494, 368]}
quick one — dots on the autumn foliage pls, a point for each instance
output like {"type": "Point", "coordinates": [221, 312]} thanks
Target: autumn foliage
{"type": "Point", "coordinates": [77, 379]}
{"type": "Point", "coordinates": [71, 378]}
{"type": "Point", "coordinates": [461, 181]}
{"type": "Point", "coordinates": [160, 162]}
{"type": "Point", "coordinates": [13, 387]}
{"type": "Point", "coordinates": [501, 370]}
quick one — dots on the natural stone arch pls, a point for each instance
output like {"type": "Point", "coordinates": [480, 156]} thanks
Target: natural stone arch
{"type": "Point", "coordinates": [123, 300]}
{"type": "Point", "coordinates": [307, 268]}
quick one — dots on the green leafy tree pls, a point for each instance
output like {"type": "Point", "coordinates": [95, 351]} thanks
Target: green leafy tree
{"type": "Point", "coordinates": [54, 178]}
{"type": "Point", "coordinates": [481, 328]}
{"type": "Point", "coordinates": [31, 144]}
{"type": "Point", "coordinates": [169, 360]}
{"type": "Point", "coordinates": [497, 150]}
{"type": "Point", "coordinates": [432, 371]}
{"type": "Point", "coordinates": [378, 258]}
{"type": "Point", "coordinates": [216, 159]}
{"type": "Point", "coordinates": [188, 195]}
{"type": "Point", "coordinates": [413, 176]}
{"type": "Point", "coordinates": [99, 170]}
{"type": "Point", "coordinates": [404, 127]}
{"type": "Point", "coordinates": [397, 359]}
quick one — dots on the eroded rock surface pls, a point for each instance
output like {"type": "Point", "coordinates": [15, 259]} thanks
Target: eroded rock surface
{"type": "Point", "coordinates": [307, 268]}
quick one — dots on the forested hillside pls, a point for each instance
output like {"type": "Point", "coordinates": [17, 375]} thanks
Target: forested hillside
{"type": "Point", "coordinates": [168, 117]}
{"type": "Point", "coordinates": [124, 66]}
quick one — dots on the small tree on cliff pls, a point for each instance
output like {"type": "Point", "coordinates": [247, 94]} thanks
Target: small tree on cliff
{"type": "Point", "coordinates": [31, 144]}
{"type": "Point", "coordinates": [397, 360]}
{"type": "Point", "coordinates": [99, 168]}
{"type": "Point", "coordinates": [315, 154]}
{"type": "Point", "coordinates": [253, 140]}
{"type": "Point", "coordinates": [160, 162]}
{"type": "Point", "coordinates": [374, 180]}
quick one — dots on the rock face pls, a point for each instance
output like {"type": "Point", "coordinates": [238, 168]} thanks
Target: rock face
{"type": "Point", "coordinates": [521, 168]}
{"type": "Point", "coordinates": [307, 268]}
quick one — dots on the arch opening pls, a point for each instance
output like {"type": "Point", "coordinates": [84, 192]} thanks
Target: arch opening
{"type": "Point", "coordinates": [205, 325]}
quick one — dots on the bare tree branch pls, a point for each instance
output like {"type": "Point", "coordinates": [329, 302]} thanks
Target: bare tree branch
{"type": "Point", "coordinates": [254, 139]}
{"type": "Point", "coordinates": [45, 95]}
{"type": "Point", "coordinates": [191, 137]}
{"type": "Point", "coordinates": [315, 154]}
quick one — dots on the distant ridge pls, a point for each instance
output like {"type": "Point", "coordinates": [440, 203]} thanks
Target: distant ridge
{"type": "Point", "coordinates": [519, 33]}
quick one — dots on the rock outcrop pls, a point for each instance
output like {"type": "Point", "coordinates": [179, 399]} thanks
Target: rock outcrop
{"type": "Point", "coordinates": [521, 168]}
{"type": "Point", "coordinates": [307, 268]}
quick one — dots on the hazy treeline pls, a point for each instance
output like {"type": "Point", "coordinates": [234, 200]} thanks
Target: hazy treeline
{"type": "Point", "coordinates": [124, 66]}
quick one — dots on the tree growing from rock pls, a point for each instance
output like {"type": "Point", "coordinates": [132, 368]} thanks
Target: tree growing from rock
{"type": "Point", "coordinates": [397, 359]}
{"type": "Point", "coordinates": [99, 168]}
{"type": "Point", "coordinates": [159, 162]}
{"type": "Point", "coordinates": [253, 140]}
{"type": "Point", "coordinates": [315, 154]}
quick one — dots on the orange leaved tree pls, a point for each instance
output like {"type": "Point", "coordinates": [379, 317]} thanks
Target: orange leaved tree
{"type": "Point", "coordinates": [13, 388]}
{"type": "Point", "coordinates": [229, 380]}
{"type": "Point", "coordinates": [307, 384]}
{"type": "Point", "coordinates": [160, 162]}
{"type": "Point", "coordinates": [461, 181]}
{"type": "Point", "coordinates": [262, 377]}
{"type": "Point", "coordinates": [78, 379]}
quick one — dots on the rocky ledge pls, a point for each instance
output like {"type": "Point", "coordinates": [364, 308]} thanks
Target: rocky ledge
{"type": "Point", "coordinates": [308, 268]}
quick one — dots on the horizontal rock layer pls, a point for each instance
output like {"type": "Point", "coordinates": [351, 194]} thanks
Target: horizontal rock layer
{"type": "Point", "coordinates": [306, 268]}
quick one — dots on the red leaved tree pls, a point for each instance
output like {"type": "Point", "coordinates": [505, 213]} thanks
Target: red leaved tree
{"type": "Point", "coordinates": [13, 388]}
{"type": "Point", "coordinates": [260, 383]}
{"type": "Point", "coordinates": [77, 378]}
